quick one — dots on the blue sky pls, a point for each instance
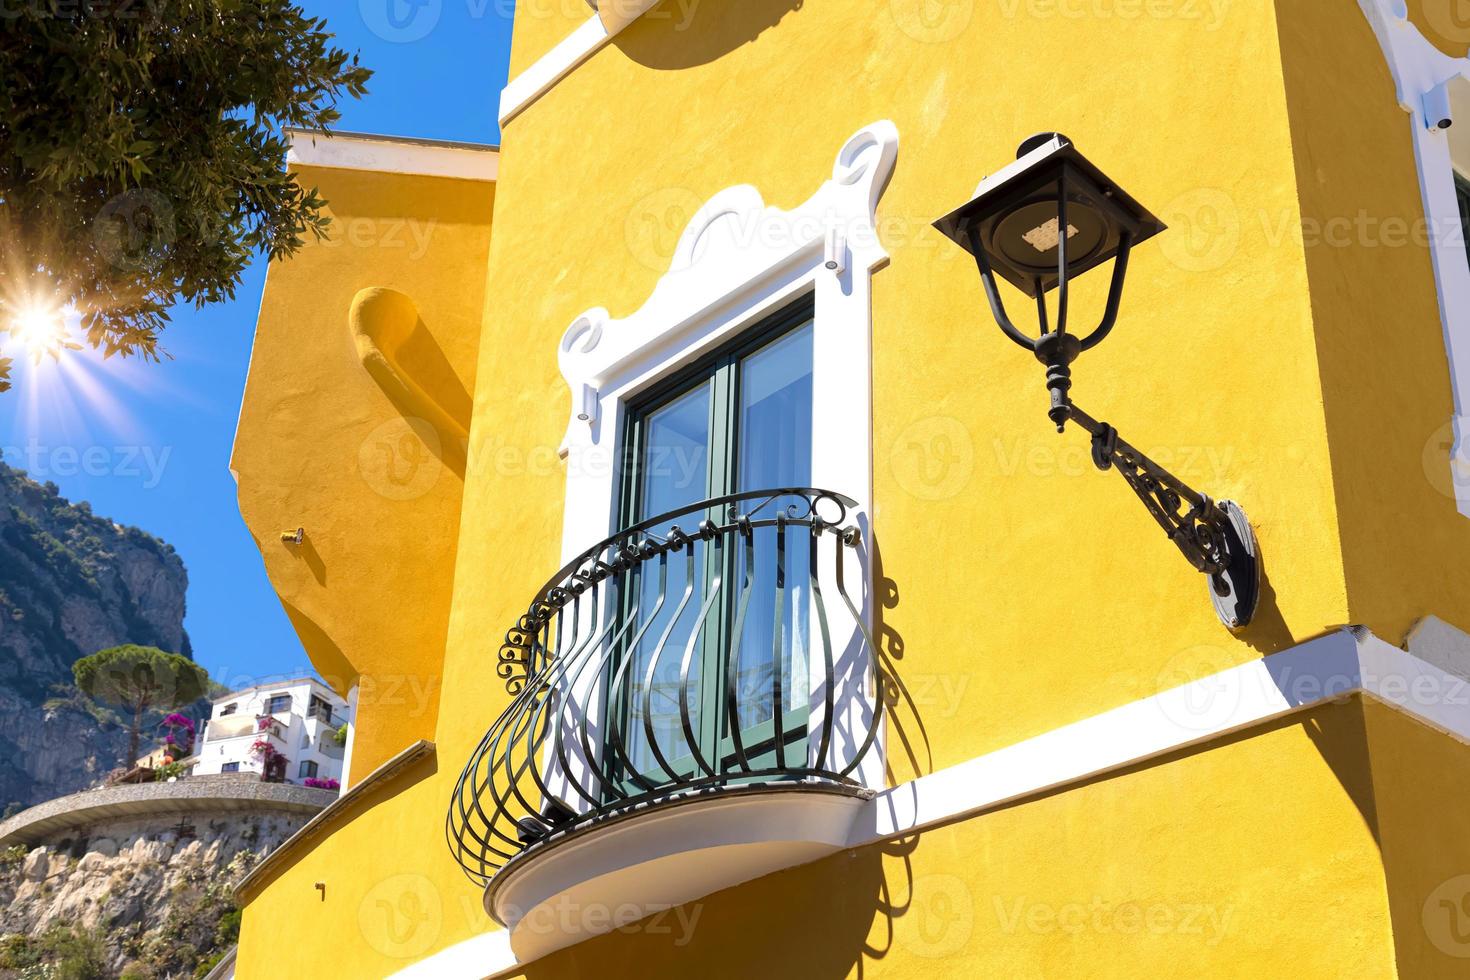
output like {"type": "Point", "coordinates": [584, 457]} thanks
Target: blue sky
{"type": "Point", "coordinates": [149, 444]}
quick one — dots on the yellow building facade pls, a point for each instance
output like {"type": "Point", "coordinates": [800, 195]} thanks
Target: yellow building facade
{"type": "Point", "coordinates": [913, 688]}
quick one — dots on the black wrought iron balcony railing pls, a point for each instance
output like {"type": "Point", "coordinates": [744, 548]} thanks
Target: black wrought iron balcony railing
{"type": "Point", "coordinates": [720, 647]}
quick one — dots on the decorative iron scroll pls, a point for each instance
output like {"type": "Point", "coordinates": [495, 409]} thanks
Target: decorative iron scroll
{"type": "Point", "coordinates": [698, 649]}
{"type": "Point", "coordinates": [1197, 531]}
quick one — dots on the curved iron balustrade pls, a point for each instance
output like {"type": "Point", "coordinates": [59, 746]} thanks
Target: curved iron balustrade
{"type": "Point", "coordinates": [584, 736]}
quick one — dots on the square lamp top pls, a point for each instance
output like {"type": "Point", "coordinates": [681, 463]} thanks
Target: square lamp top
{"type": "Point", "coordinates": [1013, 217]}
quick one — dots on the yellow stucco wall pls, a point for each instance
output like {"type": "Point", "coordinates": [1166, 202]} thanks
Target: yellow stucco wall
{"type": "Point", "coordinates": [385, 903]}
{"type": "Point", "coordinates": [323, 446]}
{"type": "Point", "coordinates": [1032, 591]}
{"type": "Point", "coordinates": [1424, 833]}
{"type": "Point", "coordinates": [1022, 512]}
{"type": "Point", "coordinates": [541, 25]}
{"type": "Point", "coordinates": [1108, 880]}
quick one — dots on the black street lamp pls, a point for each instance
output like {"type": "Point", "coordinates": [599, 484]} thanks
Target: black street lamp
{"type": "Point", "coordinates": [1014, 226]}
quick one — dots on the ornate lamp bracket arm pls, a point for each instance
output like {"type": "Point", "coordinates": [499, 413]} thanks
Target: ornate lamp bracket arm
{"type": "Point", "coordinates": [1214, 537]}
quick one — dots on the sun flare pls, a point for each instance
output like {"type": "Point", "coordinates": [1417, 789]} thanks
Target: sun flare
{"type": "Point", "coordinates": [38, 329]}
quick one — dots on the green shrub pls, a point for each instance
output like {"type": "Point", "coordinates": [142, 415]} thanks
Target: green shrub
{"type": "Point", "coordinates": [228, 932]}
{"type": "Point", "coordinates": [18, 952]}
{"type": "Point", "coordinates": [73, 954]}
{"type": "Point", "coordinates": [208, 963]}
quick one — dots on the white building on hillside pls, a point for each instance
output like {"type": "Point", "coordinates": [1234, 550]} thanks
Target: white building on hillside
{"type": "Point", "coordinates": [293, 722]}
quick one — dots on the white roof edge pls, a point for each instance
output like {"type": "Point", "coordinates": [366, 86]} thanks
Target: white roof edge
{"type": "Point", "coordinates": [240, 692]}
{"type": "Point", "coordinates": [393, 154]}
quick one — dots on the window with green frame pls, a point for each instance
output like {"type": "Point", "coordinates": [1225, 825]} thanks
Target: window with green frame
{"type": "Point", "coordinates": [738, 421]}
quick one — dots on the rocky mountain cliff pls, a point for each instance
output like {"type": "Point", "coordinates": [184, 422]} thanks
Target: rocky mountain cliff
{"type": "Point", "coordinates": [71, 583]}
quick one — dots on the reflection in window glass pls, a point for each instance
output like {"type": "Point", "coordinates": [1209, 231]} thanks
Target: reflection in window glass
{"type": "Point", "coordinates": [776, 451]}
{"type": "Point", "coordinates": [674, 473]}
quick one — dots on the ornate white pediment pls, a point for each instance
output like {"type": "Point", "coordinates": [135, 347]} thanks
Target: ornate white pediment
{"type": "Point", "coordinates": [733, 249]}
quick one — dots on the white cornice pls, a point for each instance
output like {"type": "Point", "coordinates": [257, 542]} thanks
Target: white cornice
{"type": "Point", "coordinates": [551, 68]}
{"type": "Point", "coordinates": [486, 956]}
{"type": "Point", "coordinates": [538, 79]}
{"type": "Point", "coordinates": [618, 14]}
{"type": "Point", "coordinates": [393, 154]}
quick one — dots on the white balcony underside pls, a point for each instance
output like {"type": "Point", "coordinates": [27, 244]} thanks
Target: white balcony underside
{"type": "Point", "coordinates": [623, 868]}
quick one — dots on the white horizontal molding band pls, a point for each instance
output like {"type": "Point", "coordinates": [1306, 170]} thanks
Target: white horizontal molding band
{"type": "Point", "coordinates": [1332, 667]}
{"type": "Point", "coordinates": [486, 955]}
{"type": "Point", "coordinates": [393, 155]}
{"type": "Point", "coordinates": [1253, 694]}
{"type": "Point", "coordinates": [567, 56]}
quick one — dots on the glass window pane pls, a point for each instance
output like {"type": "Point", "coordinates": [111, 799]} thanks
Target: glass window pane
{"type": "Point", "coordinates": [776, 414]}
{"type": "Point", "coordinates": [674, 472]}
{"type": "Point", "coordinates": [674, 468]}
{"type": "Point", "coordinates": [764, 401]}
{"type": "Point", "coordinates": [776, 451]}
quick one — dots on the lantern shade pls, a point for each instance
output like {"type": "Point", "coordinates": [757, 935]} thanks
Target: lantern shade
{"type": "Point", "coordinates": [1013, 216]}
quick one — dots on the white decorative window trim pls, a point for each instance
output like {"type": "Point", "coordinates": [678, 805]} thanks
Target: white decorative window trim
{"type": "Point", "coordinates": [738, 263]}
{"type": "Point", "coordinates": [1422, 75]}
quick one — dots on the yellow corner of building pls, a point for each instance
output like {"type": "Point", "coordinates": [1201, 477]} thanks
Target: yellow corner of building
{"type": "Point", "coordinates": [355, 418]}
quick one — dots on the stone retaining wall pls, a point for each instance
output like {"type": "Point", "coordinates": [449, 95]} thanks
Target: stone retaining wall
{"type": "Point", "coordinates": [152, 866]}
{"type": "Point", "coordinates": [45, 821]}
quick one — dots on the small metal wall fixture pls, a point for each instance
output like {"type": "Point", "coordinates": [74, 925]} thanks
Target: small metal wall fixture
{"type": "Point", "coordinates": [1041, 222]}
{"type": "Point", "coordinates": [294, 537]}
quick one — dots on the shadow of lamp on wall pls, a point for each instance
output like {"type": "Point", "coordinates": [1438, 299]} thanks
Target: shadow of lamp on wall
{"type": "Point", "coordinates": [1014, 226]}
